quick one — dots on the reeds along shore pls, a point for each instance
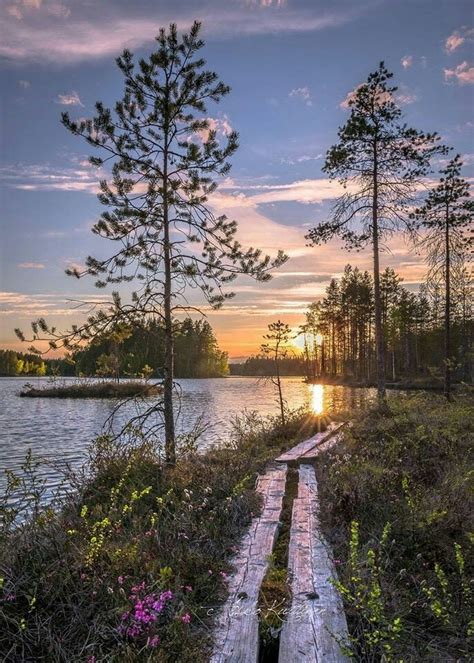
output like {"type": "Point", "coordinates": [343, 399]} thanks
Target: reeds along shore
{"type": "Point", "coordinates": [89, 389]}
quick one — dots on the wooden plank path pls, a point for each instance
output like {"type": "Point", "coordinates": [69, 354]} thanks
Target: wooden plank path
{"type": "Point", "coordinates": [316, 619]}
{"type": "Point", "coordinates": [301, 450]}
{"type": "Point", "coordinates": [327, 443]}
{"type": "Point", "coordinates": [236, 637]}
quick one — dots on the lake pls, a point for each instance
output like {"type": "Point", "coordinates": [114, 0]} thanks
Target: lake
{"type": "Point", "coordinates": [60, 430]}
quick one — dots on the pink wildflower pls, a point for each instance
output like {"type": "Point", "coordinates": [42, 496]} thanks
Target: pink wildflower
{"type": "Point", "coordinates": [120, 580]}
{"type": "Point", "coordinates": [186, 619]}
{"type": "Point", "coordinates": [153, 642]}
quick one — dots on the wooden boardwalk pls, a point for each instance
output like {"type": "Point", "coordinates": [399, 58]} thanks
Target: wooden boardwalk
{"type": "Point", "coordinates": [316, 620]}
{"type": "Point", "coordinates": [236, 637]}
{"type": "Point", "coordinates": [309, 446]}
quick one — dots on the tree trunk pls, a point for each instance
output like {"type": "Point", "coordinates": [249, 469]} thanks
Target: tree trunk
{"type": "Point", "coordinates": [447, 316]}
{"type": "Point", "coordinates": [379, 344]}
{"type": "Point", "coordinates": [170, 448]}
{"type": "Point", "coordinates": [280, 394]}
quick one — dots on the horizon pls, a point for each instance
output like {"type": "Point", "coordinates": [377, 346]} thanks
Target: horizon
{"type": "Point", "coordinates": [290, 65]}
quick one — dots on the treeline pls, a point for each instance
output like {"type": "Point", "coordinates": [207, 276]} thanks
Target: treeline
{"type": "Point", "coordinates": [18, 363]}
{"type": "Point", "coordinates": [261, 365]}
{"type": "Point", "coordinates": [339, 335]}
{"type": "Point", "coordinates": [140, 351]}
{"type": "Point", "coordinates": [132, 352]}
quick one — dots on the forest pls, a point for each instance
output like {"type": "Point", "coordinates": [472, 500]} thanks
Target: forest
{"type": "Point", "coordinates": [339, 337]}
{"type": "Point", "coordinates": [19, 363]}
{"type": "Point", "coordinates": [127, 351]}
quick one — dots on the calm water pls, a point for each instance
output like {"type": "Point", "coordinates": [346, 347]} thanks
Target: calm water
{"type": "Point", "coordinates": [60, 430]}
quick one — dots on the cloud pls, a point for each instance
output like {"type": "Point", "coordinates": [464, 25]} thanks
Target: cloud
{"type": "Point", "coordinates": [463, 74]}
{"type": "Point", "coordinates": [29, 306]}
{"type": "Point", "coordinates": [221, 126]}
{"type": "Point", "coordinates": [58, 10]}
{"type": "Point", "coordinates": [302, 93]}
{"type": "Point", "coordinates": [24, 84]}
{"type": "Point", "coordinates": [403, 96]}
{"type": "Point", "coordinates": [22, 9]}
{"type": "Point", "coordinates": [457, 39]}
{"type": "Point", "coordinates": [31, 265]}
{"type": "Point", "coordinates": [88, 34]}
{"type": "Point", "coordinates": [71, 99]}
{"type": "Point", "coordinates": [407, 61]}
{"type": "Point", "coordinates": [14, 11]}
{"type": "Point", "coordinates": [304, 158]}
{"type": "Point", "coordinates": [35, 177]}
{"type": "Point", "coordinates": [267, 3]}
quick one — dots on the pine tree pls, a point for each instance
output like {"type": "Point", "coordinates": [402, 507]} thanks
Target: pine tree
{"type": "Point", "coordinates": [379, 161]}
{"type": "Point", "coordinates": [276, 347]}
{"type": "Point", "coordinates": [164, 156]}
{"type": "Point", "coordinates": [446, 216]}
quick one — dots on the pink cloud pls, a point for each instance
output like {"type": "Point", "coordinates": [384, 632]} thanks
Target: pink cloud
{"type": "Point", "coordinates": [463, 74]}
{"type": "Point", "coordinates": [71, 99]}
{"type": "Point", "coordinates": [31, 265]}
{"type": "Point", "coordinates": [88, 34]}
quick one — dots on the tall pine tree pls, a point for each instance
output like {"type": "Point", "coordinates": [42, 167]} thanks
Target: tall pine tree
{"type": "Point", "coordinates": [379, 161]}
{"type": "Point", "coordinates": [164, 155]}
{"type": "Point", "coordinates": [446, 216]}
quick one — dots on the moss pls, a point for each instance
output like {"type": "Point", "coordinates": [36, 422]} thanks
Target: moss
{"type": "Point", "coordinates": [275, 594]}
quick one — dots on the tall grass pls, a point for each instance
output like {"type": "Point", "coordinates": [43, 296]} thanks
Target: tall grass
{"type": "Point", "coordinates": [397, 496]}
{"type": "Point", "coordinates": [131, 565]}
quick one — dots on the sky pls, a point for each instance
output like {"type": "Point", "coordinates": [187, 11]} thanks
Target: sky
{"type": "Point", "coordinates": [290, 64]}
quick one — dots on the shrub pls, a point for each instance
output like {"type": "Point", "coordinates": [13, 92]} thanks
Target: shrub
{"type": "Point", "coordinates": [408, 469]}
{"type": "Point", "coordinates": [130, 565]}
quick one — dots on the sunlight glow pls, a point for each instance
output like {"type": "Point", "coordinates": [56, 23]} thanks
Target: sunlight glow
{"type": "Point", "coordinates": [317, 393]}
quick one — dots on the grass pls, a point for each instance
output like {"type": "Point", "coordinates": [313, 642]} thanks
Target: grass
{"type": "Point", "coordinates": [397, 496]}
{"type": "Point", "coordinates": [275, 594]}
{"type": "Point", "coordinates": [132, 564]}
{"type": "Point", "coordinates": [126, 389]}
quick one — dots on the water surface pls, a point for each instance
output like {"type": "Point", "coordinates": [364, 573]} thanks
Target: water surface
{"type": "Point", "coordinates": [61, 429]}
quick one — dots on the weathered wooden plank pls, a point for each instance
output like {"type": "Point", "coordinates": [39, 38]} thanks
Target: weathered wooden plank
{"type": "Point", "coordinates": [316, 620]}
{"type": "Point", "coordinates": [236, 637]}
{"type": "Point", "coordinates": [297, 452]}
{"type": "Point", "coordinates": [327, 443]}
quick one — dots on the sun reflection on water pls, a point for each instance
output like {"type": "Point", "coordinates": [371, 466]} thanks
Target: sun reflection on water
{"type": "Point", "coordinates": [317, 393]}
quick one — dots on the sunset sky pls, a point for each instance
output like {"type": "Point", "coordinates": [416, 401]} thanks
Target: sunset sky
{"type": "Point", "coordinates": [290, 65]}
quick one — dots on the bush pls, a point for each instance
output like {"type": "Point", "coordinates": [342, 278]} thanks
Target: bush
{"type": "Point", "coordinates": [130, 565]}
{"type": "Point", "coordinates": [398, 510]}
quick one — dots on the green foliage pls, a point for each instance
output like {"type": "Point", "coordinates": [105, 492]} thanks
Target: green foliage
{"type": "Point", "coordinates": [68, 569]}
{"type": "Point", "coordinates": [412, 329]}
{"type": "Point", "coordinates": [409, 583]}
{"type": "Point", "coordinates": [383, 157]}
{"type": "Point", "coordinates": [17, 363]}
{"type": "Point", "coordinates": [363, 594]}
{"type": "Point", "coordinates": [196, 352]}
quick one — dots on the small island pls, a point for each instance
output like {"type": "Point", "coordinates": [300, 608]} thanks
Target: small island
{"type": "Point", "coordinates": [87, 389]}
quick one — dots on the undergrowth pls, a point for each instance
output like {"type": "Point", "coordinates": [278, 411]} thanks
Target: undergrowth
{"type": "Point", "coordinates": [397, 496]}
{"type": "Point", "coordinates": [132, 564]}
